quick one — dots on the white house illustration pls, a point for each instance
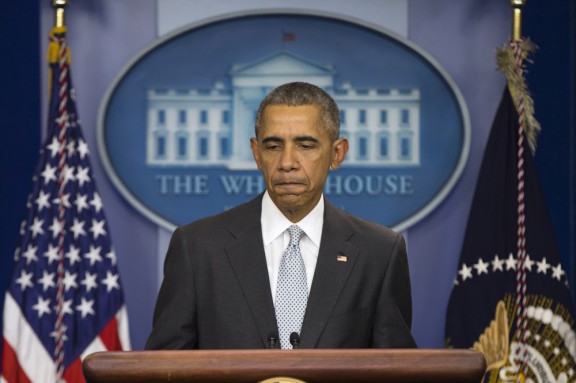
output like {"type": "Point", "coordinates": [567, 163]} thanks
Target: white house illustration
{"type": "Point", "coordinates": [212, 127]}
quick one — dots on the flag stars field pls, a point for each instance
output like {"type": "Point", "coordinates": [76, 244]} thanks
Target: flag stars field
{"type": "Point", "coordinates": [465, 272]}
{"type": "Point", "coordinates": [69, 280]}
{"type": "Point", "coordinates": [73, 255]}
{"type": "Point", "coordinates": [557, 272]}
{"type": "Point", "coordinates": [47, 280]}
{"type": "Point", "coordinates": [70, 148]}
{"type": "Point", "coordinates": [49, 174]}
{"type": "Point", "coordinates": [55, 228]}
{"type": "Point", "coordinates": [89, 281]}
{"type": "Point", "coordinates": [111, 281]}
{"type": "Point", "coordinates": [54, 147]}
{"type": "Point", "coordinates": [36, 227]}
{"type": "Point", "coordinates": [96, 202]}
{"type": "Point", "coordinates": [497, 264]}
{"type": "Point", "coordinates": [543, 266]}
{"type": "Point", "coordinates": [23, 226]}
{"type": "Point", "coordinates": [94, 255]}
{"type": "Point", "coordinates": [85, 307]}
{"type": "Point", "coordinates": [78, 228]}
{"type": "Point", "coordinates": [82, 176]}
{"type": "Point", "coordinates": [25, 280]}
{"type": "Point", "coordinates": [66, 307]}
{"type": "Point", "coordinates": [528, 263]}
{"type": "Point", "coordinates": [112, 256]}
{"type": "Point", "coordinates": [63, 200]}
{"type": "Point", "coordinates": [42, 200]}
{"type": "Point", "coordinates": [481, 267]}
{"type": "Point", "coordinates": [511, 264]}
{"type": "Point", "coordinates": [30, 254]}
{"type": "Point", "coordinates": [69, 174]}
{"type": "Point", "coordinates": [97, 228]}
{"type": "Point", "coordinates": [51, 254]}
{"type": "Point", "coordinates": [82, 149]}
{"type": "Point", "coordinates": [42, 306]}
{"type": "Point", "coordinates": [81, 202]}
{"type": "Point", "coordinates": [56, 333]}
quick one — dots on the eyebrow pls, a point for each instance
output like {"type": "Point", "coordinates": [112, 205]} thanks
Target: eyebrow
{"type": "Point", "coordinates": [297, 139]}
{"type": "Point", "coordinates": [306, 139]}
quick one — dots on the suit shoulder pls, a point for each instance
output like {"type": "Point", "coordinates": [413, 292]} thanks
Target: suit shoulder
{"type": "Point", "coordinates": [248, 213]}
{"type": "Point", "coordinates": [365, 229]}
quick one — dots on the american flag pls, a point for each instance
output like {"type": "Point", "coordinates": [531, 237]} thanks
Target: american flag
{"type": "Point", "coordinates": [65, 298]}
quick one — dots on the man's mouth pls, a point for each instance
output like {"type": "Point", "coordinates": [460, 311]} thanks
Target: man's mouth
{"type": "Point", "coordinates": [288, 186]}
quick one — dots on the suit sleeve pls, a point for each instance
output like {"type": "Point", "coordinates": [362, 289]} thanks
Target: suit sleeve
{"type": "Point", "coordinates": [174, 323]}
{"type": "Point", "coordinates": [394, 311]}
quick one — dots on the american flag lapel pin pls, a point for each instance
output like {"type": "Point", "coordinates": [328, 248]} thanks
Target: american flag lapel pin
{"type": "Point", "coordinates": [342, 258]}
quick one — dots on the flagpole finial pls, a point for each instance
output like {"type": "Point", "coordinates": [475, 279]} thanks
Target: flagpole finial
{"type": "Point", "coordinates": [59, 7]}
{"type": "Point", "coordinates": [517, 6]}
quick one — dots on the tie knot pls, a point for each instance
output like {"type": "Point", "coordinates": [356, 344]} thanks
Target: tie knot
{"type": "Point", "coordinates": [295, 235]}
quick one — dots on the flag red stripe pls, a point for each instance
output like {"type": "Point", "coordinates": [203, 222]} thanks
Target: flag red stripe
{"type": "Point", "coordinates": [73, 373]}
{"type": "Point", "coordinates": [12, 372]}
{"type": "Point", "coordinates": [109, 336]}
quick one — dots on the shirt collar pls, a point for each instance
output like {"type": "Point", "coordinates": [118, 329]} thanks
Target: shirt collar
{"type": "Point", "coordinates": [275, 223]}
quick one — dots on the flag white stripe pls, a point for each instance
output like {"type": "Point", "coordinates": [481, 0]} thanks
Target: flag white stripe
{"type": "Point", "coordinates": [123, 331]}
{"type": "Point", "coordinates": [30, 352]}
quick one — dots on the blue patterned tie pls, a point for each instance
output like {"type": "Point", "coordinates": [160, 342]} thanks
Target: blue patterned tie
{"type": "Point", "coordinates": [292, 289]}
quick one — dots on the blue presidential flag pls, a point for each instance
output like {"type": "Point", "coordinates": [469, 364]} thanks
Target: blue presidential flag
{"type": "Point", "coordinates": [65, 298]}
{"type": "Point", "coordinates": [510, 298]}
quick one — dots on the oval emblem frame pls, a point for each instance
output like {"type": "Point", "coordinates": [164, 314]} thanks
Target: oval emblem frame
{"type": "Point", "coordinates": [389, 174]}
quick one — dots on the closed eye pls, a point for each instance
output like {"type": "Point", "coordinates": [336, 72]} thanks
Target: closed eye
{"type": "Point", "coordinates": [306, 146]}
{"type": "Point", "coordinates": [307, 142]}
{"type": "Point", "coordinates": [273, 147]}
{"type": "Point", "coordinates": [272, 143]}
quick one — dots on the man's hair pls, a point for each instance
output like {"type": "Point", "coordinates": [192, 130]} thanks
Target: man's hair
{"type": "Point", "coordinates": [299, 94]}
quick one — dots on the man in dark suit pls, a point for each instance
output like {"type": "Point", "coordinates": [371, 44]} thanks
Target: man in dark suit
{"type": "Point", "coordinates": [240, 279]}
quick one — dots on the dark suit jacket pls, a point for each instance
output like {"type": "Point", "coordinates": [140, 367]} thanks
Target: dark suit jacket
{"type": "Point", "coordinates": [216, 291]}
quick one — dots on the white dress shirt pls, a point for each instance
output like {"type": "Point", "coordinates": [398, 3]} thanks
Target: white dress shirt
{"type": "Point", "coordinates": [276, 238]}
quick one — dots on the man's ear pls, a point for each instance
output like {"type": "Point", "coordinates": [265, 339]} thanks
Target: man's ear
{"type": "Point", "coordinates": [339, 149]}
{"type": "Point", "coordinates": [255, 151]}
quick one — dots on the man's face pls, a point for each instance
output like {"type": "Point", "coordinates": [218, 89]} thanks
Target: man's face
{"type": "Point", "coordinates": [295, 154]}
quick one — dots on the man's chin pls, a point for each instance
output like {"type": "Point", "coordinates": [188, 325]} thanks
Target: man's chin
{"type": "Point", "coordinates": [288, 201]}
{"type": "Point", "coordinates": [288, 198]}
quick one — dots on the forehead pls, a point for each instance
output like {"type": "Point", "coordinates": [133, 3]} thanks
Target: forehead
{"type": "Point", "coordinates": [284, 119]}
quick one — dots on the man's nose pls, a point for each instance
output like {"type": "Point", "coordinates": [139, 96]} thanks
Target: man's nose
{"type": "Point", "coordinates": [288, 159]}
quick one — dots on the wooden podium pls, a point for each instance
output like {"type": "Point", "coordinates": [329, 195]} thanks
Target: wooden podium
{"type": "Point", "coordinates": [310, 366]}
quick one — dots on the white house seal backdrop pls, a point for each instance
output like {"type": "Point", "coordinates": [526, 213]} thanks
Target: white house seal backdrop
{"type": "Point", "coordinates": [174, 127]}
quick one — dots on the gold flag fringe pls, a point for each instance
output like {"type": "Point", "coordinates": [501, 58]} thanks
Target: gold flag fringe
{"type": "Point", "coordinates": [53, 54]}
{"type": "Point", "coordinates": [518, 88]}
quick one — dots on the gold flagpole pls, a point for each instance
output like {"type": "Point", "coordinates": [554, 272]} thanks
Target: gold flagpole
{"type": "Point", "coordinates": [59, 7]}
{"type": "Point", "coordinates": [517, 6]}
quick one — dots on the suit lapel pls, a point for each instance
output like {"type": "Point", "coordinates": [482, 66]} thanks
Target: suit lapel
{"type": "Point", "coordinates": [246, 255]}
{"type": "Point", "coordinates": [336, 259]}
